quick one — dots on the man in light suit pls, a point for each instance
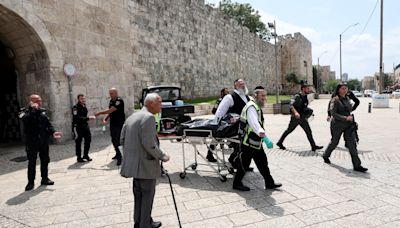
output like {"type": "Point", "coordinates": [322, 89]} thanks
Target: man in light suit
{"type": "Point", "coordinates": [141, 158]}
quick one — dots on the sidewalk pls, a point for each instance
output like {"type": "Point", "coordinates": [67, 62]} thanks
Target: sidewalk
{"type": "Point", "coordinates": [314, 194]}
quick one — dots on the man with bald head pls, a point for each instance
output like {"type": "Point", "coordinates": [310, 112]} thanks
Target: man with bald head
{"type": "Point", "coordinates": [37, 128]}
{"type": "Point", "coordinates": [116, 114]}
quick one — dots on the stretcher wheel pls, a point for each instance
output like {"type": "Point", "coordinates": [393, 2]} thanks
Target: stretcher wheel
{"type": "Point", "coordinates": [222, 178]}
{"type": "Point", "coordinates": [194, 166]}
{"type": "Point", "coordinates": [182, 175]}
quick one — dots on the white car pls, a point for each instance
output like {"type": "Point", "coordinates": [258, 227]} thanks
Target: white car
{"type": "Point", "coordinates": [369, 93]}
{"type": "Point", "coordinates": [396, 93]}
{"type": "Point", "coordinates": [357, 93]}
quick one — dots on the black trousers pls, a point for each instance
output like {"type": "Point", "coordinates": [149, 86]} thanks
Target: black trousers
{"type": "Point", "coordinates": [260, 158]}
{"type": "Point", "coordinates": [303, 124]}
{"type": "Point", "coordinates": [143, 192]}
{"type": "Point", "coordinates": [337, 129]}
{"type": "Point", "coordinates": [32, 151]}
{"type": "Point", "coordinates": [115, 131]}
{"type": "Point", "coordinates": [83, 133]}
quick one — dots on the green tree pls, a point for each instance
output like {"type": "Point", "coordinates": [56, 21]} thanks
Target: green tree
{"type": "Point", "coordinates": [331, 85]}
{"type": "Point", "coordinates": [354, 84]}
{"type": "Point", "coordinates": [387, 81]}
{"type": "Point", "coordinates": [292, 78]}
{"type": "Point", "coordinates": [245, 15]}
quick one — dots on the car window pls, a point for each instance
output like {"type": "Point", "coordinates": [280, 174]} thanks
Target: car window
{"type": "Point", "coordinates": [167, 94]}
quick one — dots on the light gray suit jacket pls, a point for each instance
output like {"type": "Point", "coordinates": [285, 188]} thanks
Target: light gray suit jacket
{"type": "Point", "coordinates": [141, 148]}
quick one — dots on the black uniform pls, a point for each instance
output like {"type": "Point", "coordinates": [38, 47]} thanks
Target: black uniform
{"type": "Point", "coordinates": [352, 97]}
{"type": "Point", "coordinates": [340, 108]}
{"type": "Point", "coordinates": [81, 129]}
{"type": "Point", "coordinates": [300, 103]}
{"type": "Point", "coordinates": [117, 119]}
{"type": "Point", "coordinates": [37, 129]}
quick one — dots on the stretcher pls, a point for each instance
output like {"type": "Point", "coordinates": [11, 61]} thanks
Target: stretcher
{"type": "Point", "coordinates": [198, 137]}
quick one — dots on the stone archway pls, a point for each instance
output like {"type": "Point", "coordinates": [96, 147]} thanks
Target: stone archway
{"type": "Point", "coordinates": [27, 60]}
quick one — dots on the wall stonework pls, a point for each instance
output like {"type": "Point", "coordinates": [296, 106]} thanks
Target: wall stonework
{"type": "Point", "coordinates": [131, 44]}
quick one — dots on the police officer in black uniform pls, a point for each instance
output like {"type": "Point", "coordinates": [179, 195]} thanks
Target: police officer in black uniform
{"type": "Point", "coordinates": [81, 128]}
{"type": "Point", "coordinates": [343, 123]}
{"type": "Point", "coordinates": [116, 114]}
{"type": "Point", "coordinates": [37, 129]}
{"type": "Point", "coordinates": [300, 111]}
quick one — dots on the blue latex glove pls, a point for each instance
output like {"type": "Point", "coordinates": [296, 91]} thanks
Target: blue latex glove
{"type": "Point", "coordinates": [268, 142]}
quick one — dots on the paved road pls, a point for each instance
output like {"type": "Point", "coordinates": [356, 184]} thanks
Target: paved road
{"type": "Point", "coordinates": [313, 195]}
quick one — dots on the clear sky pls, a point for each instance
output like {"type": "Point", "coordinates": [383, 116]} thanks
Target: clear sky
{"type": "Point", "coordinates": [321, 21]}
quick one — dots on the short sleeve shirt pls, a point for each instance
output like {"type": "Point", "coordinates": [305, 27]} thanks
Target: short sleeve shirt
{"type": "Point", "coordinates": [117, 118]}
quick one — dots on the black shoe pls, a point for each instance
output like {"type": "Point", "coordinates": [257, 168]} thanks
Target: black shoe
{"type": "Point", "coordinates": [80, 160]}
{"type": "Point", "coordinates": [115, 157]}
{"type": "Point", "coordinates": [274, 186]}
{"type": "Point", "coordinates": [156, 224]}
{"type": "Point", "coordinates": [29, 186]}
{"type": "Point", "coordinates": [241, 188]}
{"type": "Point", "coordinates": [210, 157]}
{"type": "Point", "coordinates": [47, 181]}
{"type": "Point", "coordinates": [119, 162]}
{"type": "Point", "coordinates": [250, 169]}
{"type": "Point", "coordinates": [361, 169]}
{"type": "Point", "coordinates": [87, 158]}
{"type": "Point", "coordinates": [326, 160]}
{"type": "Point", "coordinates": [314, 148]}
{"type": "Point", "coordinates": [280, 145]}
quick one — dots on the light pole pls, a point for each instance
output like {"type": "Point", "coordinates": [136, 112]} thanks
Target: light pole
{"type": "Point", "coordinates": [318, 72]}
{"type": "Point", "coordinates": [340, 47]}
{"type": "Point", "coordinates": [273, 25]}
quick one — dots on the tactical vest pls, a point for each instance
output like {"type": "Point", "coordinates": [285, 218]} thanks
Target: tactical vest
{"type": "Point", "coordinates": [251, 139]}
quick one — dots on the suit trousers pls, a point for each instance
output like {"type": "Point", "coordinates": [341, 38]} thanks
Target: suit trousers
{"type": "Point", "coordinates": [143, 192]}
{"type": "Point", "coordinates": [337, 129]}
{"type": "Point", "coordinates": [83, 133]}
{"type": "Point", "coordinates": [260, 158]}
{"type": "Point", "coordinates": [115, 131]}
{"type": "Point", "coordinates": [32, 151]}
{"type": "Point", "coordinates": [303, 124]}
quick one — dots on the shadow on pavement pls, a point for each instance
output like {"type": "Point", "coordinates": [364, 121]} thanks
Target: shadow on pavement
{"type": "Point", "coordinates": [112, 165]}
{"type": "Point", "coordinates": [351, 172]}
{"type": "Point", "coordinates": [25, 196]}
{"type": "Point", "coordinates": [14, 158]}
{"type": "Point", "coordinates": [257, 198]}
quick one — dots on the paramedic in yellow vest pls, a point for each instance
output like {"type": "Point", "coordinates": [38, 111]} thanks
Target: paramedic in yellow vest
{"type": "Point", "coordinates": [252, 122]}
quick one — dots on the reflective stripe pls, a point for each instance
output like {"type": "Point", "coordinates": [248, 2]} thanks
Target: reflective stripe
{"type": "Point", "coordinates": [243, 117]}
{"type": "Point", "coordinates": [158, 121]}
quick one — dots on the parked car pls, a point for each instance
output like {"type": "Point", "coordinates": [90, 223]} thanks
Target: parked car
{"type": "Point", "coordinates": [369, 93]}
{"type": "Point", "coordinates": [357, 93]}
{"type": "Point", "coordinates": [396, 93]}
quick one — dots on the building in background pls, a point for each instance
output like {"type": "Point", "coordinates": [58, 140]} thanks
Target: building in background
{"type": "Point", "coordinates": [368, 82]}
{"type": "Point", "coordinates": [345, 77]}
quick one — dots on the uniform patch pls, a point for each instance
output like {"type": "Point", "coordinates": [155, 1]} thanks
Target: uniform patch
{"type": "Point", "coordinates": [21, 114]}
{"type": "Point", "coordinates": [117, 102]}
{"type": "Point", "coordinates": [75, 112]}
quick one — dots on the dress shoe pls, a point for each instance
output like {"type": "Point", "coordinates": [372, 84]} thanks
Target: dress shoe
{"type": "Point", "coordinates": [87, 158]}
{"type": "Point", "coordinates": [119, 162]}
{"type": "Point", "coordinates": [326, 160]}
{"type": "Point", "coordinates": [29, 186]}
{"type": "Point", "coordinates": [47, 181]}
{"type": "Point", "coordinates": [314, 148]}
{"type": "Point", "coordinates": [210, 157]}
{"type": "Point", "coordinates": [156, 224]}
{"type": "Point", "coordinates": [274, 186]}
{"type": "Point", "coordinates": [80, 160]}
{"type": "Point", "coordinates": [115, 157]}
{"type": "Point", "coordinates": [241, 188]}
{"type": "Point", "coordinates": [361, 169]}
{"type": "Point", "coordinates": [280, 145]}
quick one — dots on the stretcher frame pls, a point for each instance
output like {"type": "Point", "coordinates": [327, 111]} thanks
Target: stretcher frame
{"type": "Point", "coordinates": [223, 167]}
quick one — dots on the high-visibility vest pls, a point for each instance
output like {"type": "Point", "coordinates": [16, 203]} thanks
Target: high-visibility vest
{"type": "Point", "coordinates": [158, 121]}
{"type": "Point", "coordinates": [251, 139]}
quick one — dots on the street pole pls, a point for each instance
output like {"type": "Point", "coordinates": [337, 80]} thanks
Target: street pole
{"type": "Point", "coordinates": [381, 53]}
{"type": "Point", "coordinates": [340, 51]}
{"type": "Point", "coordinates": [276, 67]}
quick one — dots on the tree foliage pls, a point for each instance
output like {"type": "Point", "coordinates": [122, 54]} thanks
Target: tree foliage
{"type": "Point", "coordinates": [354, 84]}
{"type": "Point", "coordinates": [292, 78]}
{"type": "Point", "coordinates": [331, 85]}
{"type": "Point", "coordinates": [245, 15]}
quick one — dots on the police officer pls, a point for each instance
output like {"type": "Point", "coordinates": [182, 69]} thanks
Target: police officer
{"type": "Point", "coordinates": [342, 122]}
{"type": "Point", "coordinates": [80, 124]}
{"type": "Point", "coordinates": [37, 129]}
{"type": "Point", "coordinates": [116, 114]}
{"type": "Point", "coordinates": [251, 122]}
{"type": "Point", "coordinates": [299, 109]}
